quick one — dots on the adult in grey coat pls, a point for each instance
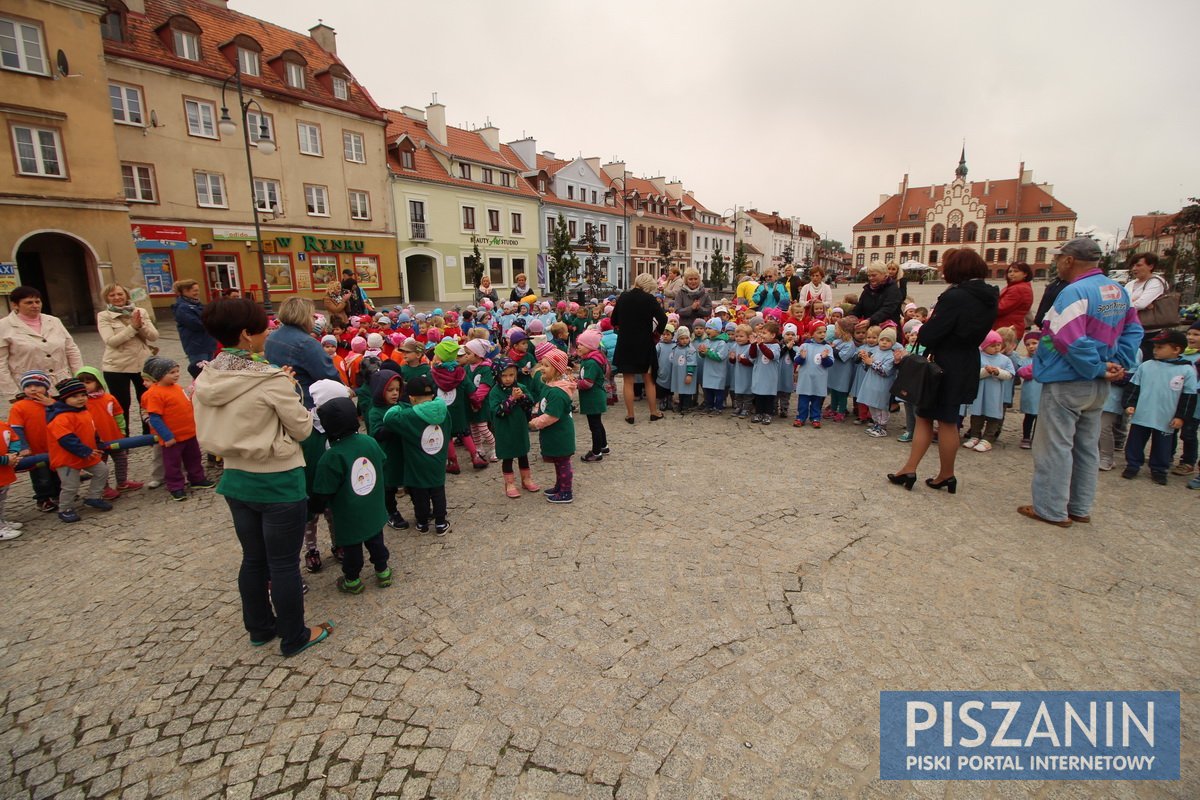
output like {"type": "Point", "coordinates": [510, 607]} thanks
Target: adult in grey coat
{"type": "Point", "coordinates": [692, 301]}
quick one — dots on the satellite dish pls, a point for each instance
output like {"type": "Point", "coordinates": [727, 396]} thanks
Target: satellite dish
{"type": "Point", "coordinates": [63, 67]}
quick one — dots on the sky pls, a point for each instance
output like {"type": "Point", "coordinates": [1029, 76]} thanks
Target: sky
{"type": "Point", "coordinates": [809, 109]}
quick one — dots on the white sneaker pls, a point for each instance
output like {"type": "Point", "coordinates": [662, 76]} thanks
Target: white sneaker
{"type": "Point", "coordinates": [969, 444]}
{"type": "Point", "coordinates": [16, 526]}
{"type": "Point", "coordinates": [153, 484]}
{"type": "Point", "coordinates": [983, 446]}
{"type": "Point", "coordinates": [8, 533]}
{"type": "Point", "coordinates": [1106, 464]}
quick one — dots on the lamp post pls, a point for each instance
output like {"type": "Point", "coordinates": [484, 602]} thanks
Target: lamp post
{"type": "Point", "coordinates": [628, 233]}
{"type": "Point", "coordinates": [265, 146]}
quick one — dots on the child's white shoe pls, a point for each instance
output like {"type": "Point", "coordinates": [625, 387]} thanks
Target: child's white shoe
{"type": "Point", "coordinates": [983, 446]}
{"type": "Point", "coordinates": [7, 533]}
{"type": "Point", "coordinates": [969, 444]}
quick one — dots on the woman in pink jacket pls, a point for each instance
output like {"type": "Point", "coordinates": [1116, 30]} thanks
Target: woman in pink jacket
{"type": "Point", "coordinates": [30, 339]}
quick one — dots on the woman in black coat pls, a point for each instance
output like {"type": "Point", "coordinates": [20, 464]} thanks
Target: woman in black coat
{"type": "Point", "coordinates": [639, 321]}
{"type": "Point", "coordinates": [880, 299]}
{"type": "Point", "coordinates": [961, 319]}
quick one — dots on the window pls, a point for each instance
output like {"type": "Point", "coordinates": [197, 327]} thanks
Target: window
{"type": "Point", "coordinates": [891, 240]}
{"type": "Point", "coordinates": [139, 183]}
{"type": "Point", "coordinates": [310, 138]}
{"type": "Point", "coordinates": [316, 200]}
{"type": "Point", "coordinates": [210, 190]}
{"type": "Point", "coordinates": [518, 266]}
{"type": "Point", "coordinates": [859, 260]}
{"type": "Point", "coordinates": [1004, 234]}
{"type": "Point", "coordinates": [890, 257]}
{"type": "Point", "coordinates": [487, 176]}
{"type": "Point", "coordinates": [571, 229]}
{"type": "Point", "coordinates": [407, 160]}
{"type": "Point", "coordinates": [464, 171]}
{"type": "Point", "coordinates": [916, 239]}
{"type": "Point", "coordinates": [904, 238]}
{"type": "Point", "coordinates": [1043, 234]}
{"type": "Point", "coordinates": [970, 232]}
{"type": "Point", "coordinates": [933, 256]}
{"type": "Point", "coordinates": [493, 220]}
{"type": "Point", "coordinates": [603, 232]}
{"type": "Point", "coordinates": [516, 222]}
{"type": "Point", "coordinates": [875, 241]}
{"type": "Point", "coordinates": [201, 118]}
{"type": "Point", "coordinates": [416, 216]}
{"type": "Point", "coordinates": [126, 102]}
{"type": "Point", "coordinates": [367, 270]}
{"type": "Point", "coordinates": [266, 196]}
{"type": "Point", "coordinates": [939, 234]}
{"type": "Point", "coordinates": [255, 122]}
{"type": "Point", "coordinates": [112, 27]}
{"type": "Point", "coordinates": [992, 234]}
{"type": "Point", "coordinates": [620, 237]}
{"type": "Point", "coordinates": [496, 270]}
{"type": "Point", "coordinates": [862, 241]}
{"type": "Point", "coordinates": [324, 269]}
{"type": "Point", "coordinates": [360, 204]}
{"type": "Point", "coordinates": [278, 267]}
{"type": "Point", "coordinates": [594, 197]}
{"type": "Point", "coordinates": [1022, 254]}
{"type": "Point", "coordinates": [541, 185]}
{"type": "Point", "coordinates": [39, 151]}
{"type": "Point", "coordinates": [248, 62]}
{"type": "Point", "coordinates": [641, 236]}
{"type": "Point", "coordinates": [353, 147]}
{"type": "Point", "coordinates": [341, 88]}
{"type": "Point", "coordinates": [294, 74]}
{"type": "Point", "coordinates": [187, 44]}
{"type": "Point", "coordinates": [570, 192]}
{"type": "Point", "coordinates": [1040, 256]}
{"type": "Point", "coordinates": [1002, 256]}
{"type": "Point", "coordinates": [550, 224]}
{"type": "Point", "coordinates": [874, 257]}
{"type": "Point", "coordinates": [1023, 235]}
{"type": "Point", "coordinates": [989, 255]}
{"type": "Point", "coordinates": [1061, 233]}
{"type": "Point", "coordinates": [468, 218]}
{"type": "Point", "coordinates": [506, 179]}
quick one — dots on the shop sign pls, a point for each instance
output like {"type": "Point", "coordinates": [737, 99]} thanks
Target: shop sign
{"type": "Point", "coordinates": [159, 237]}
{"type": "Point", "coordinates": [8, 277]}
{"type": "Point", "coordinates": [315, 245]}
{"type": "Point", "coordinates": [494, 241]}
{"type": "Point", "coordinates": [233, 234]}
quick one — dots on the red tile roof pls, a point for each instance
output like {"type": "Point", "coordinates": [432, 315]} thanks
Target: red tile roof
{"type": "Point", "coordinates": [774, 222]}
{"type": "Point", "coordinates": [1001, 194]}
{"type": "Point", "coordinates": [645, 189]}
{"type": "Point", "coordinates": [467, 145]}
{"type": "Point", "coordinates": [219, 26]}
{"type": "Point", "coordinates": [551, 165]}
{"type": "Point", "coordinates": [689, 199]}
{"type": "Point", "coordinates": [1148, 226]}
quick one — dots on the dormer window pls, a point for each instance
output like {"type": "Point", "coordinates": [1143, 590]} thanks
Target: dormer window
{"type": "Point", "coordinates": [181, 35]}
{"type": "Point", "coordinates": [294, 74]}
{"type": "Point", "coordinates": [112, 24]}
{"type": "Point", "coordinates": [878, 220]}
{"type": "Point", "coordinates": [341, 88]}
{"type": "Point", "coordinates": [290, 66]}
{"type": "Point", "coordinates": [187, 45]}
{"type": "Point", "coordinates": [464, 171]}
{"type": "Point", "coordinates": [248, 62]}
{"type": "Point", "coordinates": [407, 160]}
{"type": "Point", "coordinates": [506, 179]}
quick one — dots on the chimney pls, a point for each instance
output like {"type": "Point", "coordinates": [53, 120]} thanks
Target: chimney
{"type": "Point", "coordinates": [548, 154]}
{"type": "Point", "coordinates": [883, 198]}
{"type": "Point", "coordinates": [1026, 175]}
{"type": "Point", "coordinates": [1048, 188]}
{"type": "Point", "coordinates": [491, 137]}
{"type": "Point", "coordinates": [413, 113]}
{"type": "Point", "coordinates": [659, 183]}
{"type": "Point", "coordinates": [987, 184]}
{"type": "Point", "coordinates": [526, 150]}
{"type": "Point", "coordinates": [931, 194]}
{"type": "Point", "coordinates": [322, 34]}
{"type": "Point", "coordinates": [904, 184]}
{"type": "Point", "coordinates": [594, 163]}
{"type": "Point", "coordinates": [435, 119]}
{"type": "Point", "coordinates": [675, 190]}
{"type": "Point", "coordinates": [615, 169]}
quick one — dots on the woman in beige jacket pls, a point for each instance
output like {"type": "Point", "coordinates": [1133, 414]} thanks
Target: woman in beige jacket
{"type": "Point", "coordinates": [32, 340]}
{"type": "Point", "coordinates": [127, 332]}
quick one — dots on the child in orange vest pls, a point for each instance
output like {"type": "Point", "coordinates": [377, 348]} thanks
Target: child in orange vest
{"type": "Point", "coordinates": [173, 422]}
{"type": "Point", "coordinates": [73, 442]}
{"type": "Point", "coordinates": [10, 444]}
{"type": "Point", "coordinates": [111, 425]}
{"type": "Point", "coordinates": [28, 421]}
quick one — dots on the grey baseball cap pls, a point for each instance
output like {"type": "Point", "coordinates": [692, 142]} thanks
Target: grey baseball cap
{"type": "Point", "coordinates": [1082, 248]}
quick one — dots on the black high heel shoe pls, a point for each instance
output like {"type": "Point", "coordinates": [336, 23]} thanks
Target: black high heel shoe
{"type": "Point", "coordinates": [949, 484]}
{"type": "Point", "coordinates": [905, 479]}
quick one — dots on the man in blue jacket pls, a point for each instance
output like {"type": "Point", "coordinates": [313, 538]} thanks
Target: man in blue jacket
{"type": "Point", "coordinates": [187, 308]}
{"type": "Point", "coordinates": [1090, 338]}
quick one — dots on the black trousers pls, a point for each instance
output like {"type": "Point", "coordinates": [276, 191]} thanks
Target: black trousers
{"type": "Point", "coordinates": [120, 384]}
{"type": "Point", "coordinates": [599, 435]}
{"type": "Point", "coordinates": [46, 485]}
{"type": "Point", "coordinates": [764, 403]}
{"type": "Point", "coordinates": [427, 503]}
{"type": "Point", "coordinates": [352, 556]}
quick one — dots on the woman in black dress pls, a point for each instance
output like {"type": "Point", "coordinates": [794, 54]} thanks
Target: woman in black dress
{"type": "Point", "coordinates": [961, 319]}
{"type": "Point", "coordinates": [639, 321]}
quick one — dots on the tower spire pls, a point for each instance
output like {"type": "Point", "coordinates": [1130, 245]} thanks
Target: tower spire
{"type": "Point", "coordinates": [961, 172]}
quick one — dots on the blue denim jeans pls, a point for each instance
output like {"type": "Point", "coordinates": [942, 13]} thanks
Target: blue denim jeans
{"type": "Point", "coordinates": [808, 407]}
{"type": "Point", "coordinates": [271, 535]}
{"type": "Point", "coordinates": [1162, 449]}
{"type": "Point", "coordinates": [1066, 450]}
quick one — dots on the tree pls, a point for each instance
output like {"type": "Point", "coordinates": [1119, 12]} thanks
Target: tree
{"type": "Point", "coordinates": [832, 246]}
{"type": "Point", "coordinates": [664, 250]}
{"type": "Point", "coordinates": [741, 265]}
{"type": "Point", "coordinates": [717, 277]}
{"type": "Point", "coordinates": [590, 242]}
{"type": "Point", "coordinates": [475, 264]}
{"type": "Point", "coordinates": [560, 259]}
{"type": "Point", "coordinates": [788, 254]}
{"type": "Point", "coordinates": [1185, 258]}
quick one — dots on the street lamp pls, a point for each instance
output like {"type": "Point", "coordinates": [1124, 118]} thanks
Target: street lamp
{"type": "Point", "coordinates": [265, 146]}
{"type": "Point", "coordinates": [628, 233]}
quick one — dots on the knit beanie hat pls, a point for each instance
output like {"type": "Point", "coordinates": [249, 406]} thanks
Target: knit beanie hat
{"type": "Point", "coordinates": [791, 328]}
{"type": "Point", "coordinates": [605, 325]}
{"type": "Point", "coordinates": [589, 339]}
{"type": "Point", "coordinates": [358, 344]}
{"type": "Point", "coordinates": [324, 390]}
{"type": "Point", "coordinates": [328, 339]}
{"type": "Point", "coordinates": [396, 339]}
{"type": "Point", "coordinates": [374, 341]}
{"type": "Point", "coordinates": [480, 347]}
{"type": "Point", "coordinates": [715, 325]}
{"type": "Point", "coordinates": [516, 335]}
{"type": "Point", "coordinates": [157, 366]}
{"type": "Point", "coordinates": [730, 327]}
{"type": "Point", "coordinates": [411, 346]}
{"type": "Point", "coordinates": [837, 310]}
{"type": "Point", "coordinates": [912, 323]}
{"type": "Point", "coordinates": [35, 378]}
{"type": "Point", "coordinates": [437, 312]}
{"type": "Point", "coordinates": [433, 335]}
{"type": "Point", "coordinates": [543, 350]}
{"type": "Point", "coordinates": [683, 333]}
{"type": "Point", "coordinates": [446, 350]}
{"type": "Point", "coordinates": [557, 359]}
{"type": "Point", "coordinates": [318, 324]}
{"type": "Point", "coordinates": [535, 327]}
{"type": "Point", "coordinates": [69, 386]}
{"type": "Point", "coordinates": [572, 308]}
{"type": "Point", "coordinates": [1037, 335]}
{"type": "Point", "coordinates": [991, 339]}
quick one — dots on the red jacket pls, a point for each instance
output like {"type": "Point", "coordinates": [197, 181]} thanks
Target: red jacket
{"type": "Point", "coordinates": [72, 431]}
{"type": "Point", "coordinates": [1015, 301]}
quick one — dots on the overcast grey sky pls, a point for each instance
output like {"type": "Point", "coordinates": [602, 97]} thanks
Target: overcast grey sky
{"type": "Point", "coordinates": [811, 109]}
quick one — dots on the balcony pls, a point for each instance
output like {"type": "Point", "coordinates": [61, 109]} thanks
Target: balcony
{"type": "Point", "coordinates": [419, 232]}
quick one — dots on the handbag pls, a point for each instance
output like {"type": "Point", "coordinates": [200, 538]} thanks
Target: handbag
{"type": "Point", "coordinates": [1163, 312]}
{"type": "Point", "coordinates": [917, 380]}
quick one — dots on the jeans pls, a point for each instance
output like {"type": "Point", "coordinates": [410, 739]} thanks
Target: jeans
{"type": "Point", "coordinates": [180, 457]}
{"type": "Point", "coordinates": [270, 535]}
{"type": "Point", "coordinates": [45, 482]}
{"type": "Point", "coordinates": [808, 407]}
{"type": "Point", "coordinates": [714, 399]}
{"type": "Point", "coordinates": [352, 557]}
{"type": "Point", "coordinates": [427, 502]}
{"type": "Point", "coordinates": [1066, 451]}
{"type": "Point", "coordinates": [1188, 435]}
{"type": "Point", "coordinates": [69, 479]}
{"type": "Point", "coordinates": [1162, 448]}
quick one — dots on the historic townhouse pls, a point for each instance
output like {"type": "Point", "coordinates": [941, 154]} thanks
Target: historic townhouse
{"type": "Point", "coordinates": [64, 223]}
{"type": "Point", "coordinates": [1007, 220]}
{"type": "Point", "coordinates": [1152, 233]}
{"type": "Point", "coordinates": [709, 233]}
{"type": "Point", "coordinates": [655, 216]}
{"type": "Point", "coordinates": [316, 150]}
{"type": "Point", "coordinates": [775, 237]}
{"type": "Point", "coordinates": [455, 190]}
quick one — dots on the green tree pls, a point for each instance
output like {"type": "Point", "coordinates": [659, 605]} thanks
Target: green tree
{"type": "Point", "coordinates": [1185, 255]}
{"type": "Point", "coordinates": [590, 242]}
{"type": "Point", "coordinates": [475, 264]}
{"type": "Point", "coordinates": [741, 264]}
{"type": "Point", "coordinates": [665, 250]}
{"type": "Point", "coordinates": [560, 259]}
{"type": "Point", "coordinates": [717, 276]}
{"type": "Point", "coordinates": [788, 254]}
{"type": "Point", "coordinates": [831, 246]}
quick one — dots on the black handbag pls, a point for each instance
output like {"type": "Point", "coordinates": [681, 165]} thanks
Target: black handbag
{"type": "Point", "coordinates": [917, 380]}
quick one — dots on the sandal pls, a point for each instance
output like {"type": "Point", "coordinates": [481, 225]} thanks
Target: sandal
{"type": "Point", "coordinates": [655, 418]}
{"type": "Point", "coordinates": [325, 629]}
{"type": "Point", "coordinates": [267, 640]}
{"type": "Point", "coordinates": [630, 420]}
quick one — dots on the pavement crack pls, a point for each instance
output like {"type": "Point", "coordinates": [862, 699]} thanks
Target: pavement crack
{"type": "Point", "coordinates": [846, 547]}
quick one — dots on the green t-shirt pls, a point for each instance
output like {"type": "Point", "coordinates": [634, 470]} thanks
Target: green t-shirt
{"type": "Point", "coordinates": [512, 429]}
{"type": "Point", "coordinates": [351, 471]}
{"type": "Point", "coordinates": [264, 487]}
{"type": "Point", "coordinates": [557, 439]}
{"type": "Point", "coordinates": [313, 448]}
{"type": "Point", "coordinates": [595, 399]}
{"type": "Point", "coordinates": [477, 375]}
{"type": "Point", "coordinates": [456, 402]}
{"type": "Point", "coordinates": [393, 449]}
{"type": "Point", "coordinates": [408, 373]}
{"type": "Point", "coordinates": [426, 444]}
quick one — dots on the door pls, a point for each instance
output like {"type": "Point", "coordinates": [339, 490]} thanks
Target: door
{"type": "Point", "coordinates": [422, 285]}
{"type": "Point", "coordinates": [221, 274]}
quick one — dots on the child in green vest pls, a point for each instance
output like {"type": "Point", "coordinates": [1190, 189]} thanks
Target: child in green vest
{"type": "Point", "coordinates": [414, 360]}
{"type": "Point", "coordinates": [593, 400]}
{"type": "Point", "coordinates": [386, 388]}
{"type": "Point", "coordinates": [510, 409]}
{"type": "Point", "coordinates": [420, 420]}
{"type": "Point", "coordinates": [477, 385]}
{"type": "Point", "coordinates": [450, 376]}
{"type": "Point", "coordinates": [350, 480]}
{"type": "Point", "coordinates": [554, 422]}
{"type": "Point", "coordinates": [314, 447]}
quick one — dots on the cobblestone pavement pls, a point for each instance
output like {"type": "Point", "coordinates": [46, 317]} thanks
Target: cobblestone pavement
{"type": "Point", "coordinates": [714, 617]}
